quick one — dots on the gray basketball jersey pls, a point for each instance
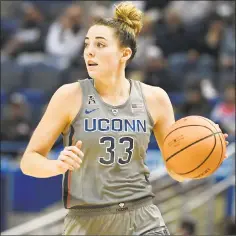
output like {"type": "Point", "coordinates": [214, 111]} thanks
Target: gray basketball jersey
{"type": "Point", "coordinates": [115, 140]}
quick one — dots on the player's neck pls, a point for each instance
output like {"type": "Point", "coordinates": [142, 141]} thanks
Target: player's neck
{"type": "Point", "coordinates": [113, 86]}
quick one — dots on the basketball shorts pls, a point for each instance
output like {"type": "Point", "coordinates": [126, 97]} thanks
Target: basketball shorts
{"type": "Point", "coordinates": [139, 218]}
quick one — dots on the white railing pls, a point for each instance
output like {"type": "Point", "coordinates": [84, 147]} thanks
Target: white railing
{"type": "Point", "coordinates": [58, 216]}
{"type": "Point", "coordinates": [37, 223]}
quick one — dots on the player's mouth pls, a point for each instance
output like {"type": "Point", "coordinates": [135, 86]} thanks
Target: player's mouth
{"type": "Point", "coordinates": [91, 64]}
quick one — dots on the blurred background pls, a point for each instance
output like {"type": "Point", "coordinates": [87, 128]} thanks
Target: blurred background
{"type": "Point", "coordinates": [187, 48]}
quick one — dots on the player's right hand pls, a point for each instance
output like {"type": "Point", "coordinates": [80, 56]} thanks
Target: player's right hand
{"type": "Point", "coordinates": [70, 158]}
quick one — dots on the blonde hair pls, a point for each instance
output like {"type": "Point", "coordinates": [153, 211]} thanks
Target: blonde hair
{"type": "Point", "coordinates": [130, 16]}
{"type": "Point", "coordinates": [127, 24]}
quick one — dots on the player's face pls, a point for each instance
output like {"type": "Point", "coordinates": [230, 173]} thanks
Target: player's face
{"type": "Point", "coordinates": [102, 53]}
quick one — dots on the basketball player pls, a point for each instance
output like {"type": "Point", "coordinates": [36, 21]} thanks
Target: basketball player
{"type": "Point", "coordinates": [106, 122]}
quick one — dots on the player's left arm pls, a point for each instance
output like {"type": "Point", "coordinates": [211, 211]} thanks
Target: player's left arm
{"type": "Point", "coordinates": [165, 119]}
{"type": "Point", "coordinates": [161, 110]}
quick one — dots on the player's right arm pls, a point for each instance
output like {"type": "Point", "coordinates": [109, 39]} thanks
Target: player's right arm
{"type": "Point", "coordinates": [59, 114]}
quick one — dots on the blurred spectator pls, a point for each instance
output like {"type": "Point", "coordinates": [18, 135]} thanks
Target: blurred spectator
{"type": "Point", "coordinates": [9, 20]}
{"type": "Point", "coordinates": [183, 65]}
{"type": "Point", "coordinates": [145, 40]}
{"type": "Point", "coordinates": [30, 37]}
{"type": "Point", "coordinates": [101, 12]}
{"type": "Point", "coordinates": [180, 48]}
{"type": "Point", "coordinates": [204, 40]}
{"type": "Point", "coordinates": [10, 9]}
{"type": "Point", "coordinates": [195, 103]}
{"type": "Point", "coordinates": [202, 51]}
{"type": "Point", "coordinates": [212, 39]}
{"type": "Point", "coordinates": [153, 4]}
{"type": "Point", "coordinates": [139, 4]}
{"type": "Point", "coordinates": [16, 125]}
{"type": "Point", "coordinates": [156, 70]}
{"type": "Point", "coordinates": [192, 12]}
{"type": "Point", "coordinates": [65, 38]}
{"type": "Point", "coordinates": [187, 227]}
{"type": "Point", "coordinates": [227, 47]}
{"type": "Point", "coordinates": [224, 112]}
{"type": "Point", "coordinates": [171, 35]}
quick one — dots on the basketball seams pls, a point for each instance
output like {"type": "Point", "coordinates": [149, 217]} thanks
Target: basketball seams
{"type": "Point", "coordinates": [199, 140]}
{"type": "Point", "coordinates": [196, 177]}
{"type": "Point", "coordinates": [221, 159]}
{"type": "Point", "coordinates": [217, 164]}
{"type": "Point", "coordinates": [184, 127]}
{"type": "Point", "coordinates": [205, 159]}
{"type": "Point", "coordinates": [201, 162]}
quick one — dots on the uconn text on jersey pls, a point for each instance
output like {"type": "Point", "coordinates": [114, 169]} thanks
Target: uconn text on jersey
{"type": "Point", "coordinates": [115, 125]}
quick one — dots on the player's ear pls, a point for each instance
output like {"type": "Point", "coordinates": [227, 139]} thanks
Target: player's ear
{"type": "Point", "coordinates": [126, 54]}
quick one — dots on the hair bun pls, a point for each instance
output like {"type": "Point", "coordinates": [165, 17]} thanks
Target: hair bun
{"type": "Point", "coordinates": [129, 15]}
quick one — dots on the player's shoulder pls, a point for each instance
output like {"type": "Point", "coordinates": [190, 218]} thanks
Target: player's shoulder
{"type": "Point", "coordinates": [67, 98]}
{"type": "Point", "coordinates": [67, 94]}
{"type": "Point", "coordinates": [68, 90]}
{"type": "Point", "coordinates": [155, 97]}
{"type": "Point", "coordinates": [153, 93]}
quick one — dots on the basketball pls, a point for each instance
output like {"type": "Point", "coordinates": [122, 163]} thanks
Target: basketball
{"type": "Point", "coordinates": [194, 147]}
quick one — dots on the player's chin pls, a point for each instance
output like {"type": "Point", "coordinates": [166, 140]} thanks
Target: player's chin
{"type": "Point", "coordinates": [92, 74]}
{"type": "Point", "coordinates": [95, 74]}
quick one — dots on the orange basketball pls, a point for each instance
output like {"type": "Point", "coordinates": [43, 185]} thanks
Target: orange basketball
{"type": "Point", "coordinates": [194, 147]}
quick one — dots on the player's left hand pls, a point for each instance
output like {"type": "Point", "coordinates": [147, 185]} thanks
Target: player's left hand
{"type": "Point", "coordinates": [226, 142]}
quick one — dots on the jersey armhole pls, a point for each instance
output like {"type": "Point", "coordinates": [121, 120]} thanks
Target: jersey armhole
{"type": "Point", "coordinates": [145, 104]}
{"type": "Point", "coordinates": [82, 103]}
{"type": "Point", "coordinates": [78, 114]}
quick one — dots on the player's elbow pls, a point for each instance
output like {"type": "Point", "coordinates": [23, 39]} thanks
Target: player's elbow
{"type": "Point", "coordinates": [175, 176]}
{"type": "Point", "coordinates": [23, 166]}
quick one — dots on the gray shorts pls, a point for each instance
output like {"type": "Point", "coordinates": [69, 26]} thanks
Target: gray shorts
{"type": "Point", "coordinates": [140, 218]}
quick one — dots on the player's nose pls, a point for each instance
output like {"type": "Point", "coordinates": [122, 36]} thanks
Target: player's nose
{"type": "Point", "coordinates": [90, 51]}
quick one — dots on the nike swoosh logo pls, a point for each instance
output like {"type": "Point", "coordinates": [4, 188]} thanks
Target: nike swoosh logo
{"type": "Point", "coordinates": [89, 111]}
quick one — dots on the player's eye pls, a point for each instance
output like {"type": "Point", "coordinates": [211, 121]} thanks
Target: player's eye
{"type": "Point", "coordinates": [100, 45]}
{"type": "Point", "coordinates": [85, 45]}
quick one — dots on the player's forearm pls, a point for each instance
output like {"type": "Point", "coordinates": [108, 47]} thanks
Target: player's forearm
{"type": "Point", "coordinates": [36, 165]}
